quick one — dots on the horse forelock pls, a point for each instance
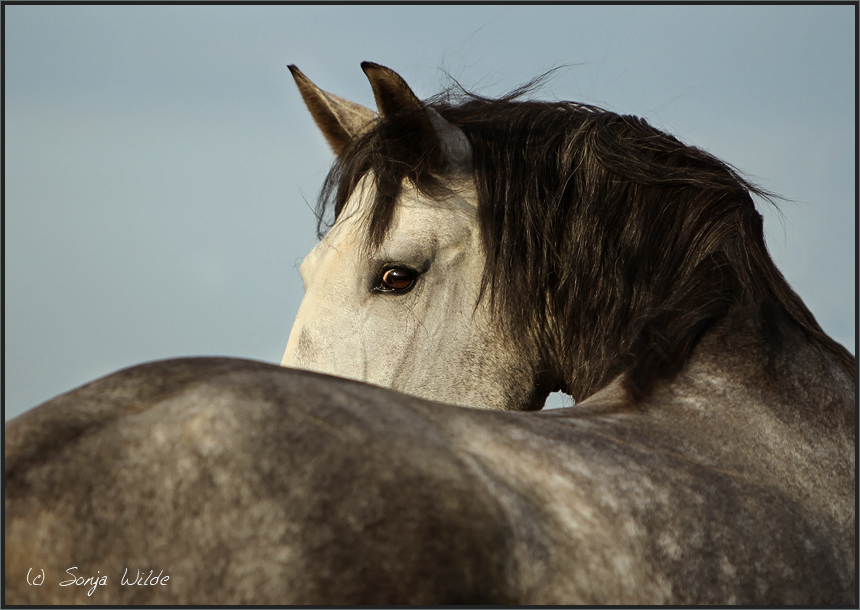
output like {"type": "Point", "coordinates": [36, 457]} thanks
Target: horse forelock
{"type": "Point", "coordinates": [611, 245]}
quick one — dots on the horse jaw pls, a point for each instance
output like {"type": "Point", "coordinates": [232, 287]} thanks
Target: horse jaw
{"type": "Point", "coordinates": [437, 341]}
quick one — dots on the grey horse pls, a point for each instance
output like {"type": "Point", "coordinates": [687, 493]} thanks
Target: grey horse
{"type": "Point", "coordinates": [710, 457]}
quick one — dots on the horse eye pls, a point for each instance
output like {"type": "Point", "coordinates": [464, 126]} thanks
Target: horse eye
{"type": "Point", "coordinates": [396, 279]}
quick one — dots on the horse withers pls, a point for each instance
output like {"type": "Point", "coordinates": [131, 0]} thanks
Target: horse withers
{"type": "Point", "coordinates": [484, 253]}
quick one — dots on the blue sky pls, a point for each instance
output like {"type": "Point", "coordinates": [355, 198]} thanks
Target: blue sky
{"type": "Point", "coordinates": [161, 169]}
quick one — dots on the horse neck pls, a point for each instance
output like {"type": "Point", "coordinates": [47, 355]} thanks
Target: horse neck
{"type": "Point", "coordinates": [779, 416]}
{"type": "Point", "coordinates": [790, 377]}
{"type": "Point", "coordinates": [771, 413]}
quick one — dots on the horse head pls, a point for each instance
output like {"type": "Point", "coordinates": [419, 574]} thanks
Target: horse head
{"type": "Point", "coordinates": [402, 307]}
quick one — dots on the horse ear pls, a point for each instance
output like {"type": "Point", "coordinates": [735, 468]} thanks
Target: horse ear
{"type": "Point", "coordinates": [390, 90]}
{"type": "Point", "coordinates": [339, 119]}
{"type": "Point", "coordinates": [393, 95]}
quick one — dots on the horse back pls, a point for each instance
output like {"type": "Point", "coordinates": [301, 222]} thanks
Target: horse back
{"type": "Point", "coordinates": [244, 482]}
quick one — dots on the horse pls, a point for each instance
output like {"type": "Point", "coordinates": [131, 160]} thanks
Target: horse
{"type": "Point", "coordinates": [482, 253]}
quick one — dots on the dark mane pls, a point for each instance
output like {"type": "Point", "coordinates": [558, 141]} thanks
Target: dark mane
{"type": "Point", "coordinates": [611, 244]}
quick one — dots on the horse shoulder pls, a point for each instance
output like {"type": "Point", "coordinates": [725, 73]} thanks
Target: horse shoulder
{"type": "Point", "coordinates": [617, 505]}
